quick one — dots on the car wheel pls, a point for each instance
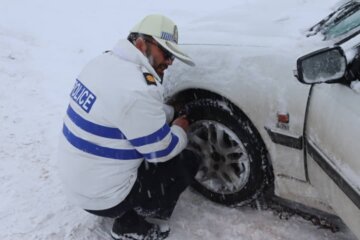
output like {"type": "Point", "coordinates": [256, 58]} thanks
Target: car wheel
{"type": "Point", "coordinates": [233, 155]}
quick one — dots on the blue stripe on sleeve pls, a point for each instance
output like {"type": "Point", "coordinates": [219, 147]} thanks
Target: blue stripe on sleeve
{"type": "Point", "coordinates": [166, 151]}
{"type": "Point", "coordinates": [91, 148]}
{"type": "Point", "coordinates": [93, 128]}
{"type": "Point", "coordinates": [152, 138]}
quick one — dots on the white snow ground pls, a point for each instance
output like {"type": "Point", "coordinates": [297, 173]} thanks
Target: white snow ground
{"type": "Point", "coordinates": [43, 46]}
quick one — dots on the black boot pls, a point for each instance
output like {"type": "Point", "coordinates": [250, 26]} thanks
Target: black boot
{"type": "Point", "coordinates": [131, 226]}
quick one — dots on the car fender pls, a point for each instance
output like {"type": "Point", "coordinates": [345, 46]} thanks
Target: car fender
{"type": "Point", "coordinates": [261, 84]}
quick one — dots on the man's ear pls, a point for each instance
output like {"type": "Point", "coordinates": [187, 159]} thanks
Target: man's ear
{"type": "Point", "coordinates": [140, 44]}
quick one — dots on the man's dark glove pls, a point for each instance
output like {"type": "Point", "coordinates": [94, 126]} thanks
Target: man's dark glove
{"type": "Point", "coordinates": [184, 111]}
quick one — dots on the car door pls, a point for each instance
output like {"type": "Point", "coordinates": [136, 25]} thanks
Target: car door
{"type": "Point", "coordinates": [332, 138]}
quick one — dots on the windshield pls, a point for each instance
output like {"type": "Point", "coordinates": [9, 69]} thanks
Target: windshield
{"type": "Point", "coordinates": [343, 21]}
{"type": "Point", "coordinates": [342, 27]}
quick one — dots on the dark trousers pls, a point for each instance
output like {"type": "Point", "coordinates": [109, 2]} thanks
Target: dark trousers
{"type": "Point", "coordinates": [157, 188]}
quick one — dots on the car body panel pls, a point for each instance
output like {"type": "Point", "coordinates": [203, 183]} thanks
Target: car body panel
{"type": "Point", "coordinates": [342, 205]}
{"type": "Point", "coordinates": [334, 113]}
{"type": "Point", "coordinates": [278, 90]}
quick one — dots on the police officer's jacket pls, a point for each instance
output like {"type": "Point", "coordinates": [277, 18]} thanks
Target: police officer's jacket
{"type": "Point", "coordinates": [115, 120]}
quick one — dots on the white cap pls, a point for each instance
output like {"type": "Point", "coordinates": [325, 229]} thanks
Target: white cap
{"type": "Point", "coordinates": [165, 32]}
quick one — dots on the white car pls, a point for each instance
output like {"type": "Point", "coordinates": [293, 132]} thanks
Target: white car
{"type": "Point", "coordinates": [260, 120]}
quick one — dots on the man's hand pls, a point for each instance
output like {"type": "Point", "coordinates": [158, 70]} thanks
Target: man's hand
{"type": "Point", "coordinates": [182, 122]}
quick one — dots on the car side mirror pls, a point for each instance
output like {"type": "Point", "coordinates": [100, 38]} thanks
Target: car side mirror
{"type": "Point", "coordinates": [326, 65]}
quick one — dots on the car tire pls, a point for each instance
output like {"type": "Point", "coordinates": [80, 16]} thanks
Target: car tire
{"type": "Point", "coordinates": [234, 159]}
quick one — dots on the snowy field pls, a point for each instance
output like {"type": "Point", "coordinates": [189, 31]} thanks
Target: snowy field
{"type": "Point", "coordinates": [43, 46]}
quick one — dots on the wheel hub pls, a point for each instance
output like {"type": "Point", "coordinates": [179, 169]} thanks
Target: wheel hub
{"type": "Point", "coordinates": [225, 166]}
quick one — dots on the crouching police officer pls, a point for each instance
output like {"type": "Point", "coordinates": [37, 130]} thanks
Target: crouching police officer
{"type": "Point", "coordinates": [118, 155]}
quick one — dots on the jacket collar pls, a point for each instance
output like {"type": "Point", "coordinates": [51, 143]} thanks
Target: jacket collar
{"type": "Point", "coordinates": [128, 52]}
